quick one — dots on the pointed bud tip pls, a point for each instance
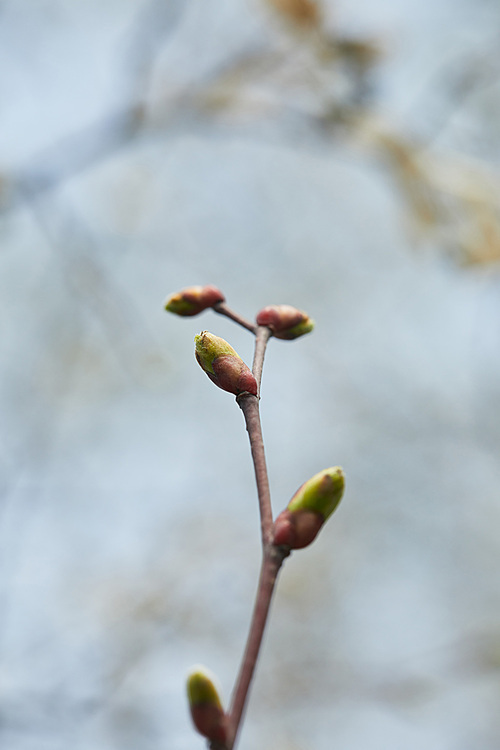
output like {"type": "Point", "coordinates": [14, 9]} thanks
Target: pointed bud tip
{"type": "Point", "coordinates": [201, 686]}
{"type": "Point", "coordinates": [313, 503]}
{"type": "Point", "coordinates": [208, 347]}
{"type": "Point", "coordinates": [322, 493]}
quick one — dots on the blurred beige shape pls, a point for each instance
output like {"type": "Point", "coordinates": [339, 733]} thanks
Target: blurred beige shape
{"type": "Point", "coordinates": [301, 12]}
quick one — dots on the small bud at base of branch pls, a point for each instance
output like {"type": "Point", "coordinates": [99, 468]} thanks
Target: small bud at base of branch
{"type": "Point", "coordinates": [205, 705]}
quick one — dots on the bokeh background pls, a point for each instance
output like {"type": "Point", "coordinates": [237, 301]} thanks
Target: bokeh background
{"type": "Point", "coordinates": [343, 157]}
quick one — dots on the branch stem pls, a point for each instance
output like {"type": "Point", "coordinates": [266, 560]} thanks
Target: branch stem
{"type": "Point", "coordinates": [249, 405]}
{"type": "Point", "coordinates": [262, 336]}
{"type": "Point", "coordinates": [272, 560]}
{"type": "Point", "coordinates": [272, 556]}
{"type": "Point", "coordinates": [223, 309]}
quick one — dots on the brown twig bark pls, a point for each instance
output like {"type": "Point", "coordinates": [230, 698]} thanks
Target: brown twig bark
{"type": "Point", "coordinates": [262, 336]}
{"type": "Point", "coordinates": [250, 407]}
{"type": "Point", "coordinates": [272, 556]}
{"type": "Point", "coordinates": [223, 309]}
{"type": "Point", "coordinates": [272, 560]}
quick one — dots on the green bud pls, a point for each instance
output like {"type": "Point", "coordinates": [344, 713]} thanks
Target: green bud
{"type": "Point", "coordinates": [313, 503]}
{"type": "Point", "coordinates": [209, 347]}
{"type": "Point", "coordinates": [205, 705]}
{"type": "Point", "coordinates": [223, 365]}
{"type": "Point", "coordinates": [201, 687]}
{"type": "Point", "coordinates": [321, 494]}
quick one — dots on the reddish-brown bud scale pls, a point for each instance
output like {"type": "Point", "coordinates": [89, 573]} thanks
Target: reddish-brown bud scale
{"type": "Point", "coordinates": [297, 530]}
{"type": "Point", "coordinates": [233, 375]}
{"type": "Point", "coordinates": [210, 722]}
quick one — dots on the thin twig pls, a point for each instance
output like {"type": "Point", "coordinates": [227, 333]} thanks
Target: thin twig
{"type": "Point", "coordinates": [271, 563]}
{"type": "Point", "coordinates": [223, 309]}
{"type": "Point", "coordinates": [262, 336]}
{"type": "Point", "coordinates": [249, 405]}
{"type": "Point", "coordinates": [272, 556]}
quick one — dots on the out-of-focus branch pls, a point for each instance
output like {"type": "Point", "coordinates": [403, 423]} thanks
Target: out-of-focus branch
{"type": "Point", "coordinates": [94, 289]}
{"type": "Point", "coordinates": [153, 24]}
{"type": "Point", "coordinates": [315, 89]}
{"type": "Point", "coordinates": [81, 150]}
{"type": "Point", "coordinates": [71, 155]}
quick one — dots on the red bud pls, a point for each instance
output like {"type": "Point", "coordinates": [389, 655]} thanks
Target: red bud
{"type": "Point", "coordinates": [193, 300]}
{"type": "Point", "coordinates": [285, 322]}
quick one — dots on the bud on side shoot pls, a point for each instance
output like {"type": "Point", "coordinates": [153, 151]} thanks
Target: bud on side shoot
{"type": "Point", "coordinates": [313, 503]}
{"type": "Point", "coordinates": [223, 365]}
{"type": "Point", "coordinates": [193, 300]}
{"type": "Point", "coordinates": [205, 705]}
{"type": "Point", "coordinates": [285, 322]}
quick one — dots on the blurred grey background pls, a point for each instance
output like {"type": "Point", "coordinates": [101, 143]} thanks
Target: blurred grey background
{"type": "Point", "coordinates": [343, 158]}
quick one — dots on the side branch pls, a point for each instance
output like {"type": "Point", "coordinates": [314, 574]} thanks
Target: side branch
{"type": "Point", "coordinates": [223, 309]}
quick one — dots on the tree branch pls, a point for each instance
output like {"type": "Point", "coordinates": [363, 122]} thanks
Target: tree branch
{"type": "Point", "coordinates": [262, 336]}
{"type": "Point", "coordinates": [249, 405]}
{"type": "Point", "coordinates": [271, 563]}
{"type": "Point", "coordinates": [223, 309]}
{"type": "Point", "coordinates": [272, 556]}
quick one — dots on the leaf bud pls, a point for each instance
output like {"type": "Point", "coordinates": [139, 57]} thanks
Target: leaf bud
{"type": "Point", "coordinates": [223, 365]}
{"type": "Point", "coordinates": [313, 503]}
{"type": "Point", "coordinates": [285, 321]}
{"type": "Point", "coordinates": [205, 705]}
{"type": "Point", "coordinates": [193, 300]}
